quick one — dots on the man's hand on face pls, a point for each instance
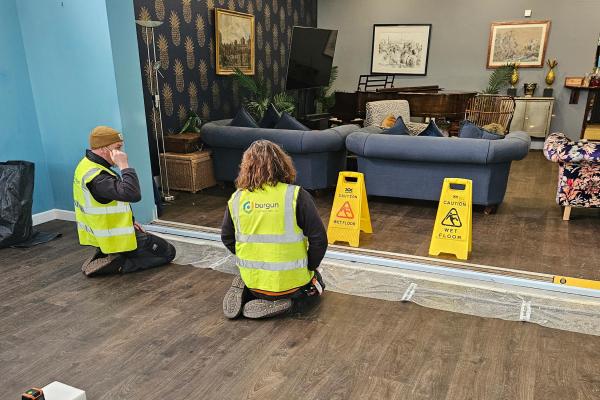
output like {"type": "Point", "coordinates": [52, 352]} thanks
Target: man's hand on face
{"type": "Point", "coordinates": [119, 158]}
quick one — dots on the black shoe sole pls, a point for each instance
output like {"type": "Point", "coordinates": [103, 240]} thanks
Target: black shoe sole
{"type": "Point", "coordinates": [233, 300]}
{"type": "Point", "coordinates": [265, 308]}
{"type": "Point", "coordinates": [100, 266]}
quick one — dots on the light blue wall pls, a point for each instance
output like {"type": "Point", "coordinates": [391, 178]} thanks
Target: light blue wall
{"type": "Point", "coordinates": [72, 76]}
{"type": "Point", "coordinates": [19, 132]}
{"type": "Point", "coordinates": [121, 21]}
{"type": "Point", "coordinates": [76, 86]}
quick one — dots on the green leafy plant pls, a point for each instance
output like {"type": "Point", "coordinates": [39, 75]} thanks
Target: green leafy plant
{"type": "Point", "coordinates": [324, 99]}
{"type": "Point", "coordinates": [499, 79]}
{"type": "Point", "coordinates": [258, 99]}
{"type": "Point", "coordinates": [192, 123]}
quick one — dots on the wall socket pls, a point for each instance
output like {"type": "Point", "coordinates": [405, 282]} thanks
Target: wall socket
{"type": "Point", "coordinates": [528, 13]}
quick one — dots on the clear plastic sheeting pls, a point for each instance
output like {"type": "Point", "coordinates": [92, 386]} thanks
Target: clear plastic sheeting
{"type": "Point", "coordinates": [490, 300]}
{"type": "Point", "coordinates": [203, 254]}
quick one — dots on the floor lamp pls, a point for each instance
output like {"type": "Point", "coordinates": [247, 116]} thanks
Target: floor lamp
{"type": "Point", "coordinates": [148, 27]}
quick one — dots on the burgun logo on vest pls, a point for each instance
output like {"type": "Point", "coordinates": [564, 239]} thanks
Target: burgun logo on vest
{"type": "Point", "coordinates": [248, 206]}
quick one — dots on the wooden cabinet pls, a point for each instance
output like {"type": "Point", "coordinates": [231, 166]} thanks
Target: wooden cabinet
{"type": "Point", "coordinates": [533, 115]}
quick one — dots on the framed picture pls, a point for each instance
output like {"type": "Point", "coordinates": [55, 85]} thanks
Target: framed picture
{"type": "Point", "coordinates": [234, 36]}
{"type": "Point", "coordinates": [518, 41]}
{"type": "Point", "coordinates": [401, 49]}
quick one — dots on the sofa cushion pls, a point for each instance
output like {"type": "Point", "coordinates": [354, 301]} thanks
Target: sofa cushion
{"type": "Point", "coordinates": [494, 127]}
{"type": "Point", "coordinates": [243, 119]}
{"type": "Point", "coordinates": [270, 117]}
{"type": "Point", "coordinates": [388, 122]}
{"type": "Point", "coordinates": [399, 128]}
{"type": "Point", "coordinates": [431, 131]}
{"type": "Point", "coordinates": [286, 121]}
{"type": "Point", "coordinates": [472, 131]}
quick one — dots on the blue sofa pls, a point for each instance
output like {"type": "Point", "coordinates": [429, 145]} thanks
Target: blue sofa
{"type": "Point", "coordinates": [414, 167]}
{"type": "Point", "coordinates": [318, 155]}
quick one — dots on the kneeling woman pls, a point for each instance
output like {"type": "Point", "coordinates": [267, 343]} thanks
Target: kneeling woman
{"type": "Point", "coordinates": [275, 231]}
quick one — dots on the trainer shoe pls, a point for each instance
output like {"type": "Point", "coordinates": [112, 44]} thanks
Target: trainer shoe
{"type": "Point", "coordinates": [234, 298]}
{"type": "Point", "coordinates": [266, 308]}
{"type": "Point", "coordinates": [103, 265]}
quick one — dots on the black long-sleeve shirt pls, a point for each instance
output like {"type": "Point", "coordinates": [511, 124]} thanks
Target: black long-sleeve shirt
{"type": "Point", "coordinates": [106, 187]}
{"type": "Point", "coordinates": [308, 220]}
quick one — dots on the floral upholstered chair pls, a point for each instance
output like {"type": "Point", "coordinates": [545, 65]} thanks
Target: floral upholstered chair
{"type": "Point", "coordinates": [579, 173]}
{"type": "Point", "coordinates": [377, 111]}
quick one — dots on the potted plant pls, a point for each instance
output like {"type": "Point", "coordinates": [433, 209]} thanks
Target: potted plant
{"type": "Point", "coordinates": [187, 140]}
{"type": "Point", "coordinates": [499, 79]}
{"type": "Point", "coordinates": [258, 100]}
{"type": "Point", "coordinates": [325, 100]}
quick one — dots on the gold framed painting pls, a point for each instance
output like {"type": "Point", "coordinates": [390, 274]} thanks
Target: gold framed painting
{"type": "Point", "coordinates": [522, 42]}
{"type": "Point", "coordinates": [234, 36]}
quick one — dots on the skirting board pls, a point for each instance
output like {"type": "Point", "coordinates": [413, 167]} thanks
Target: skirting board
{"type": "Point", "coordinates": [53, 214]}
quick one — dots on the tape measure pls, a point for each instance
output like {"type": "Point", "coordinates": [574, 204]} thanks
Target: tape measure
{"type": "Point", "coordinates": [33, 394]}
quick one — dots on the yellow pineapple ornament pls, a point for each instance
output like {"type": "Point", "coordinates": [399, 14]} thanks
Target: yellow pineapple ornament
{"type": "Point", "coordinates": [550, 75]}
{"type": "Point", "coordinates": [514, 78]}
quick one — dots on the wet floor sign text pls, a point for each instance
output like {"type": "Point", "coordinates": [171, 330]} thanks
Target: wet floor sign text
{"type": "Point", "coordinates": [453, 231]}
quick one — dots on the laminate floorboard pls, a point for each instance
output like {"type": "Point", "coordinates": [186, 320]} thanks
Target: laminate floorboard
{"type": "Point", "coordinates": [160, 334]}
{"type": "Point", "coordinates": [527, 232]}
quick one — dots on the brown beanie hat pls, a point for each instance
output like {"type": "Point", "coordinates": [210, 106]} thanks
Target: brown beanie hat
{"type": "Point", "coordinates": [102, 136]}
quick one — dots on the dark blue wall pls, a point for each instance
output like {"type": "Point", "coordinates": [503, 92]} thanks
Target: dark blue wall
{"type": "Point", "coordinates": [190, 79]}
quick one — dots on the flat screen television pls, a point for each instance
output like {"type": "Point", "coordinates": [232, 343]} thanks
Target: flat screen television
{"type": "Point", "coordinates": [311, 57]}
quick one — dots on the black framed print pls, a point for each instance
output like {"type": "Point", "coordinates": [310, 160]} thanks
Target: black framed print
{"type": "Point", "coordinates": [401, 49]}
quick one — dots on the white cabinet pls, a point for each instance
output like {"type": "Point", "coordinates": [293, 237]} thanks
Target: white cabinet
{"type": "Point", "coordinates": [532, 115]}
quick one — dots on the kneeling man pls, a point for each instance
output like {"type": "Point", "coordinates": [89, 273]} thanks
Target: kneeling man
{"type": "Point", "coordinates": [103, 214]}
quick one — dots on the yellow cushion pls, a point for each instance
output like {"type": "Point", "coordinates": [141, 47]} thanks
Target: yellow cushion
{"type": "Point", "coordinates": [494, 128]}
{"type": "Point", "coordinates": [388, 122]}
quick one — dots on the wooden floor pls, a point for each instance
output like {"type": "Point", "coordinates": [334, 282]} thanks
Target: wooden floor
{"type": "Point", "coordinates": [160, 334]}
{"type": "Point", "coordinates": [527, 233]}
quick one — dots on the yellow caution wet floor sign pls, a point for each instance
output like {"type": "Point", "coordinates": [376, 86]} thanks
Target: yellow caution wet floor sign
{"type": "Point", "coordinates": [350, 211]}
{"type": "Point", "coordinates": [453, 230]}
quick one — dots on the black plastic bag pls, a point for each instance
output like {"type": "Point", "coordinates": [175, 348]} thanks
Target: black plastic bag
{"type": "Point", "coordinates": [16, 201]}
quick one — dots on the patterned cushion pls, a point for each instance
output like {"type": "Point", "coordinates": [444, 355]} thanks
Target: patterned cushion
{"type": "Point", "coordinates": [376, 111]}
{"type": "Point", "coordinates": [414, 128]}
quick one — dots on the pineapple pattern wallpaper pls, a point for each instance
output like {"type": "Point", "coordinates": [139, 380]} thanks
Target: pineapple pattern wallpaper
{"type": "Point", "coordinates": [185, 48]}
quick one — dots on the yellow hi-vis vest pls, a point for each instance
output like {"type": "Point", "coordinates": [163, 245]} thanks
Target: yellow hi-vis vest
{"type": "Point", "coordinates": [107, 226]}
{"type": "Point", "coordinates": [270, 246]}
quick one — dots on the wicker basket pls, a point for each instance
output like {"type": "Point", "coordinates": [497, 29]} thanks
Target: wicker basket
{"type": "Point", "coordinates": [485, 109]}
{"type": "Point", "coordinates": [188, 172]}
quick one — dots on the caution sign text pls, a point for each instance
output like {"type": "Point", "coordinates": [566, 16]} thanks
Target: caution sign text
{"type": "Point", "coordinates": [350, 211]}
{"type": "Point", "coordinates": [452, 232]}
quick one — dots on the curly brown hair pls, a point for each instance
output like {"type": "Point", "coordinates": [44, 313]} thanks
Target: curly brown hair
{"type": "Point", "coordinates": [264, 163]}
